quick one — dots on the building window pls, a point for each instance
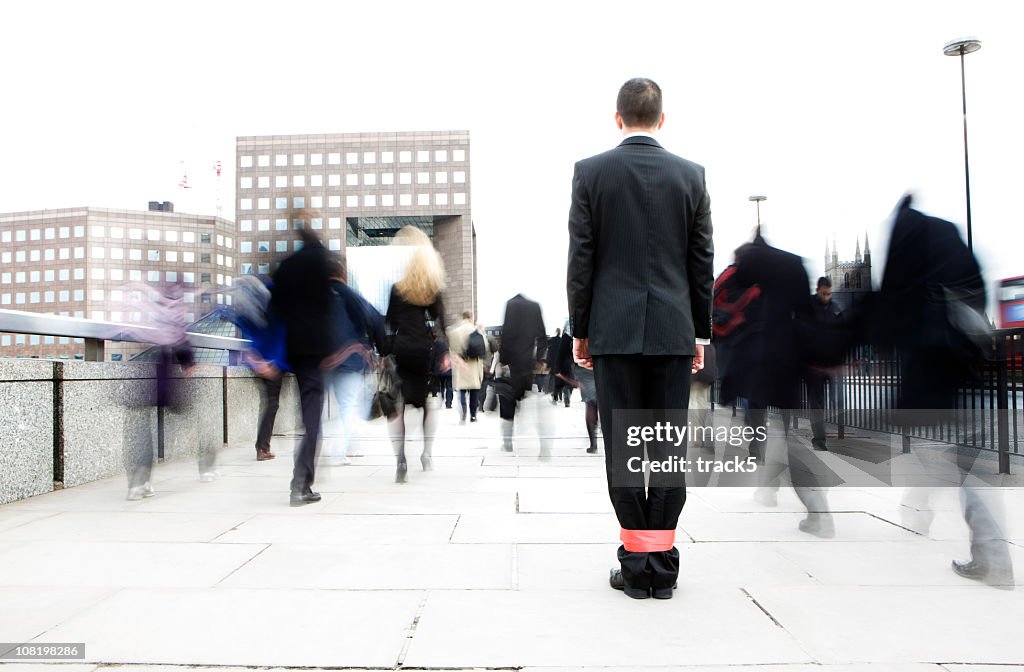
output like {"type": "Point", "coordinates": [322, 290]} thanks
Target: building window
{"type": "Point", "coordinates": [369, 179]}
{"type": "Point", "coordinates": [298, 159]}
{"type": "Point", "coordinates": [441, 177]}
{"type": "Point", "coordinates": [299, 181]}
{"type": "Point", "coordinates": [135, 254]}
{"type": "Point", "coordinates": [79, 295]}
{"type": "Point", "coordinates": [281, 160]}
{"type": "Point", "coordinates": [316, 159]}
{"type": "Point", "coordinates": [189, 278]}
{"type": "Point", "coordinates": [245, 161]}
{"type": "Point", "coordinates": [352, 158]}
{"type": "Point", "coordinates": [441, 199]}
{"type": "Point", "coordinates": [387, 200]}
{"type": "Point", "coordinates": [281, 181]}
{"type": "Point", "coordinates": [334, 180]}
{"type": "Point", "coordinates": [49, 234]}
{"type": "Point", "coordinates": [49, 276]}
{"type": "Point", "coordinates": [264, 225]}
{"type": "Point", "coordinates": [33, 297]}
{"type": "Point", "coordinates": [281, 245]}
{"type": "Point", "coordinates": [34, 255]}
{"type": "Point", "coordinates": [405, 178]}
{"type": "Point", "coordinates": [97, 274]}
{"type": "Point", "coordinates": [97, 253]}
{"type": "Point", "coordinates": [65, 232]}
{"type": "Point", "coordinates": [281, 202]}
{"type": "Point", "coordinates": [204, 278]}
{"type": "Point", "coordinates": [405, 199]}
{"type": "Point", "coordinates": [263, 203]}
{"type": "Point", "coordinates": [19, 297]}
{"type": "Point", "coordinates": [334, 201]}
{"type": "Point", "coordinates": [79, 274]}
{"type": "Point", "coordinates": [135, 275]}
{"type": "Point", "coordinates": [171, 256]}
{"type": "Point", "coordinates": [351, 180]}
{"type": "Point", "coordinates": [316, 180]}
{"type": "Point", "coordinates": [405, 156]}
{"type": "Point", "coordinates": [20, 255]}
{"type": "Point", "coordinates": [316, 223]}
{"type": "Point", "coordinates": [171, 276]}
{"type": "Point", "coordinates": [36, 233]}
{"type": "Point", "coordinates": [422, 178]}
{"type": "Point", "coordinates": [153, 276]}
{"type": "Point", "coordinates": [316, 202]}
{"type": "Point", "coordinates": [263, 181]}
{"type": "Point", "coordinates": [352, 201]}
{"type": "Point", "coordinates": [334, 158]}
{"type": "Point", "coordinates": [48, 297]}
{"type": "Point", "coordinates": [856, 281]}
{"type": "Point", "coordinates": [79, 253]}
{"type": "Point", "coordinates": [33, 277]}
{"type": "Point", "coordinates": [334, 222]}
{"type": "Point", "coordinates": [387, 157]}
{"type": "Point", "coordinates": [64, 295]}
{"type": "Point", "coordinates": [245, 269]}
{"type": "Point", "coordinates": [117, 274]}
{"type": "Point", "coordinates": [20, 235]}
{"type": "Point", "coordinates": [846, 281]}
{"type": "Point", "coordinates": [263, 246]}
{"type": "Point", "coordinates": [458, 155]}
{"type": "Point", "coordinates": [423, 156]}
{"type": "Point", "coordinates": [334, 244]}
{"type": "Point", "coordinates": [299, 202]}
{"type": "Point", "coordinates": [245, 225]}
{"type": "Point", "coordinates": [153, 255]}
{"type": "Point", "coordinates": [369, 200]}
{"type": "Point", "coordinates": [281, 224]}
{"type": "Point", "coordinates": [49, 255]}
{"type": "Point", "coordinates": [245, 204]}
{"type": "Point", "coordinates": [204, 257]}
{"type": "Point", "coordinates": [263, 161]}
{"type": "Point", "coordinates": [245, 183]}
{"type": "Point", "coordinates": [459, 176]}
{"type": "Point", "coordinates": [422, 199]}
{"type": "Point", "coordinates": [65, 253]}
{"type": "Point", "coordinates": [246, 247]}
{"type": "Point", "coordinates": [188, 257]}
{"type": "Point", "coordinates": [441, 155]}
{"type": "Point", "coordinates": [459, 198]}
{"type": "Point", "coordinates": [204, 238]}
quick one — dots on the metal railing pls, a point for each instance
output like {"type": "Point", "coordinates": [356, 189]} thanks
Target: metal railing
{"type": "Point", "coordinates": [96, 333]}
{"type": "Point", "coordinates": [987, 413]}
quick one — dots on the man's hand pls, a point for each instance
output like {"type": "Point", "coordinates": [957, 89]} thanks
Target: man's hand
{"type": "Point", "coordinates": [698, 360]}
{"type": "Point", "coordinates": [581, 353]}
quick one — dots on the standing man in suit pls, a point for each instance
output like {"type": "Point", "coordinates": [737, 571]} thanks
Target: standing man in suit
{"type": "Point", "coordinates": [639, 288]}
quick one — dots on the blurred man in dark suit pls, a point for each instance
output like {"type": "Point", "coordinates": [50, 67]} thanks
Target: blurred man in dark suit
{"type": "Point", "coordinates": [639, 288]}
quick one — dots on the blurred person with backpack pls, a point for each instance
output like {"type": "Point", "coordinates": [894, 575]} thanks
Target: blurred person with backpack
{"type": "Point", "coordinates": [468, 350]}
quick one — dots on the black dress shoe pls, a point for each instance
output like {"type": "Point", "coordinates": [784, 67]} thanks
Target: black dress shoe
{"type": "Point", "coordinates": [592, 449]}
{"type": "Point", "coordinates": [299, 499]}
{"type": "Point", "coordinates": [662, 593]}
{"type": "Point", "coordinates": [401, 471]}
{"type": "Point", "coordinates": [976, 571]}
{"type": "Point", "coordinates": [819, 444]}
{"type": "Point", "coordinates": [616, 581]}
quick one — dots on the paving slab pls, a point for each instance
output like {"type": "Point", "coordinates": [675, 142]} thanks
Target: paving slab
{"type": "Point", "coordinates": [127, 526]}
{"type": "Point", "coordinates": [330, 529]}
{"type": "Point", "coordinates": [119, 564]}
{"type": "Point", "coordinates": [600, 628]}
{"type": "Point", "coordinates": [783, 527]}
{"type": "Point", "coordinates": [314, 628]}
{"type": "Point", "coordinates": [378, 567]}
{"type": "Point", "coordinates": [882, 624]}
{"type": "Point", "coordinates": [32, 611]}
{"type": "Point", "coordinates": [536, 528]}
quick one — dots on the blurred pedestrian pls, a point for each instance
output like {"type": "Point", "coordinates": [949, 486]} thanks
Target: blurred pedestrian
{"type": "Point", "coordinates": [468, 351]}
{"type": "Point", "coordinates": [301, 298]}
{"type": "Point", "coordinates": [415, 311]}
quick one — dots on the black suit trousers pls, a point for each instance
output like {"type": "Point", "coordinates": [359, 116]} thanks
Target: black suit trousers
{"type": "Point", "coordinates": [311, 399]}
{"type": "Point", "coordinates": [634, 382]}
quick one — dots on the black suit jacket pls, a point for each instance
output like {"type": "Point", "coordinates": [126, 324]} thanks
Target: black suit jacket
{"type": "Point", "coordinates": [523, 328]}
{"type": "Point", "coordinates": [640, 251]}
{"type": "Point", "coordinates": [301, 298]}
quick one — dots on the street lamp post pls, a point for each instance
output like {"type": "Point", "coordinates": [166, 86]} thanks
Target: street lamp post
{"type": "Point", "coordinates": [757, 200]}
{"type": "Point", "coordinates": [961, 48]}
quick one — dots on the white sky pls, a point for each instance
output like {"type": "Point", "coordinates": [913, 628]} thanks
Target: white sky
{"type": "Point", "coordinates": [831, 111]}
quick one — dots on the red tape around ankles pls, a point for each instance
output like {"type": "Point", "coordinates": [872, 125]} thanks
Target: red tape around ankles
{"type": "Point", "coordinates": [647, 541]}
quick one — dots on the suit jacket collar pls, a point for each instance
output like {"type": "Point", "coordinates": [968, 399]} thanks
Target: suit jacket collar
{"type": "Point", "coordinates": [640, 140]}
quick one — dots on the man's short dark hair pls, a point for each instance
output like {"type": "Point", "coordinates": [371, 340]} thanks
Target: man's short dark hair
{"type": "Point", "coordinates": [639, 103]}
{"type": "Point", "coordinates": [466, 315]}
{"type": "Point", "coordinates": [824, 281]}
{"type": "Point", "coordinates": [336, 266]}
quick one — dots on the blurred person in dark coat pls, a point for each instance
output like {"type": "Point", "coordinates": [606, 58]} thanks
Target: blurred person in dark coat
{"type": "Point", "coordinates": [639, 289]}
{"type": "Point", "coordinates": [826, 313]}
{"type": "Point", "coordinates": [930, 309]}
{"type": "Point", "coordinates": [521, 332]}
{"type": "Point", "coordinates": [301, 299]}
{"type": "Point", "coordinates": [763, 362]}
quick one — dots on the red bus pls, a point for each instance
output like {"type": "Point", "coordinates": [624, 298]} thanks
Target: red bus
{"type": "Point", "coordinates": [1011, 302]}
